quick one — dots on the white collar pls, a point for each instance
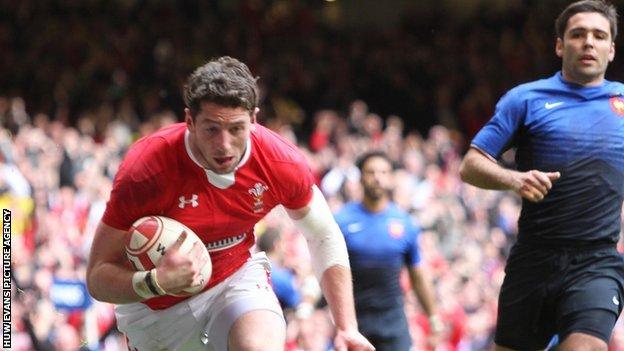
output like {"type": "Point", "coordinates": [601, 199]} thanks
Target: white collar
{"type": "Point", "coordinates": [221, 181]}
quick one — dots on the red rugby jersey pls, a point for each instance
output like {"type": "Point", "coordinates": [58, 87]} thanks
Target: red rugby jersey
{"type": "Point", "coordinates": [159, 176]}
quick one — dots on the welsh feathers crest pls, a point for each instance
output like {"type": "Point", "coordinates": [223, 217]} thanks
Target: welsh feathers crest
{"type": "Point", "coordinates": [257, 191]}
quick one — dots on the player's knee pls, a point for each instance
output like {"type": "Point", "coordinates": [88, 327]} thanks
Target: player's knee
{"type": "Point", "coordinates": [258, 330]}
{"type": "Point", "coordinates": [583, 342]}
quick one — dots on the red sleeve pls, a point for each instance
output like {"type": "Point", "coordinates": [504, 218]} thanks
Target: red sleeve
{"type": "Point", "coordinates": [296, 183]}
{"type": "Point", "coordinates": [287, 167]}
{"type": "Point", "coordinates": [138, 189]}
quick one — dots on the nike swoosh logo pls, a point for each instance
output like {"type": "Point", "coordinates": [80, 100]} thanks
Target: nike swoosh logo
{"type": "Point", "coordinates": [549, 105]}
{"type": "Point", "coordinates": [355, 227]}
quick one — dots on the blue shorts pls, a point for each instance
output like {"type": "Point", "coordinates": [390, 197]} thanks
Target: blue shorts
{"type": "Point", "coordinates": [386, 330]}
{"type": "Point", "coordinates": [559, 291]}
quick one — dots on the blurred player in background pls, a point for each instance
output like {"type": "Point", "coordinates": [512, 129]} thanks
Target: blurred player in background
{"type": "Point", "coordinates": [564, 275]}
{"type": "Point", "coordinates": [283, 280]}
{"type": "Point", "coordinates": [219, 173]}
{"type": "Point", "coordinates": [381, 240]}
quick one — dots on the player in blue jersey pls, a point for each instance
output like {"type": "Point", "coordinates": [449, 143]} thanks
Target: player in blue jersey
{"type": "Point", "coordinates": [564, 275]}
{"type": "Point", "coordinates": [282, 279]}
{"type": "Point", "coordinates": [381, 240]}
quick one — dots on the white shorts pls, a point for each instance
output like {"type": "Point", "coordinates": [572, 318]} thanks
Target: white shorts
{"type": "Point", "coordinates": [202, 322]}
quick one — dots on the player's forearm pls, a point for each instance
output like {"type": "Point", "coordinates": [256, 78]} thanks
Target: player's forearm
{"type": "Point", "coordinates": [338, 291]}
{"type": "Point", "coordinates": [111, 283]}
{"type": "Point", "coordinates": [483, 172]}
{"type": "Point", "coordinates": [424, 292]}
{"type": "Point", "coordinates": [108, 279]}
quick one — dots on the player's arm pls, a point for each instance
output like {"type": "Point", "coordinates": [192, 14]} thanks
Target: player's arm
{"type": "Point", "coordinates": [110, 279]}
{"type": "Point", "coordinates": [330, 262]}
{"type": "Point", "coordinates": [107, 278]}
{"type": "Point", "coordinates": [423, 290]}
{"type": "Point", "coordinates": [481, 170]}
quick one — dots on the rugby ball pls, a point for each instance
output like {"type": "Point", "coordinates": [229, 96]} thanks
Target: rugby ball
{"type": "Point", "coordinates": [149, 239]}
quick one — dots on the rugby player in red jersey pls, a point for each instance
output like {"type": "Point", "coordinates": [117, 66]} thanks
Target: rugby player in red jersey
{"type": "Point", "coordinates": [218, 173]}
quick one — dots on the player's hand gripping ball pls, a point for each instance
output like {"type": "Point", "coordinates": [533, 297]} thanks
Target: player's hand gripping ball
{"type": "Point", "coordinates": [150, 237]}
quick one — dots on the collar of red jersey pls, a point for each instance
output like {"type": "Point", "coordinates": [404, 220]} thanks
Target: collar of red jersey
{"type": "Point", "coordinates": [221, 181]}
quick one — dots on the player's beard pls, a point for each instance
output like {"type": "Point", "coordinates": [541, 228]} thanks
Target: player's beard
{"type": "Point", "coordinates": [376, 193]}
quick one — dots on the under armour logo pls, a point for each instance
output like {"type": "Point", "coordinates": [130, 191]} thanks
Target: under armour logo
{"type": "Point", "coordinates": [193, 201]}
{"type": "Point", "coordinates": [160, 249]}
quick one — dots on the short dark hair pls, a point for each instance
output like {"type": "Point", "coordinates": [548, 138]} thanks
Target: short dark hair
{"type": "Point", "coordinates": [599, 6]}
{"type": "Point", "coordinates": [266, 241]}
{"type": "Point", "coordinates": [361, 161]}
{"type": "Point", "coordinates": [225, 81]}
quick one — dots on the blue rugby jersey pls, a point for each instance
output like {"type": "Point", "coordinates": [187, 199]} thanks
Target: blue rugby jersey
{"type": "Point", "coordinates": [379, 245]}
{"type": "Point", "coordinates": [578, 131]}
{"type": "Point", "coordinates": [283, 283]}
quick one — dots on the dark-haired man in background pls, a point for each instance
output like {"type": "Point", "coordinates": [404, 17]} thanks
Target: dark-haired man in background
{"type": "Point", "coordinates": [382, 239]}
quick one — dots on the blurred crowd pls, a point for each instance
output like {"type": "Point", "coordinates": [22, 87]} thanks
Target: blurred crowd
{"type": "Point", "coordinates": [81, 80]}
{"type": "Point", "coordinates": [56, 180]}
{"type": "Point", "coordinates": [430, 62]}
